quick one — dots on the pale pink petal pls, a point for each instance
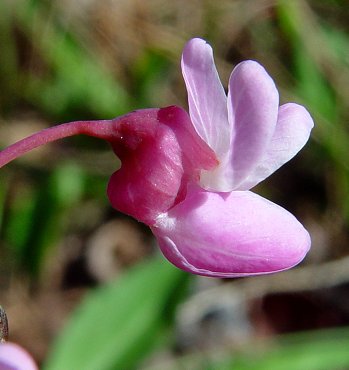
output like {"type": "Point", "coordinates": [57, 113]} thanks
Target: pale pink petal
{"type": "Point", "coordinates": [13, 357]}
{"type": "Point", "coordinates": [230, 234]}
{"type": "Point", "coordinates": [206, 96]}
{"type": "Point", "coordinates": [292, 131]}
{"type": "Point", "coordinates": [252, 109]}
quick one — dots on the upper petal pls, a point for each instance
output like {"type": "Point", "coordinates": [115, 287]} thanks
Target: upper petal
{"type": "Point", "coordinates": [230, 234]}
{"type": "Point", "coordinates": [292, 131]}
{"type": "Point", "coordinates": [252, 109]}
{"type": "Point", "coordinates": [206, 96]}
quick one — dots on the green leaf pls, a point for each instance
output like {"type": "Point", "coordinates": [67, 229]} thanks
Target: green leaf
{"type": "Point", "coordinates": [322, 350]}
{"type": "Point", "coordinates": [116, 324]}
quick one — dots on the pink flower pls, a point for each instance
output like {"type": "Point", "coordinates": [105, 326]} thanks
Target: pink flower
{"type": "Point", "coordinates": [14, 357]}
{"type": "Point", "coordinates": [188, 177]}
{"type": "Point", "coordinates": [228, 231]}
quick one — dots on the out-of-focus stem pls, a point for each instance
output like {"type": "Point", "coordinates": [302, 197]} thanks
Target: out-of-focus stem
{"type": "Point", "coordinates": [3, 325]}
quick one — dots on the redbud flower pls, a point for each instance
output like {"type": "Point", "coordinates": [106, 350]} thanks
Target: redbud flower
{"type": "Point", "coordinates": [187, 176]}
{"type": "Point", "coordinates": [228, 231]}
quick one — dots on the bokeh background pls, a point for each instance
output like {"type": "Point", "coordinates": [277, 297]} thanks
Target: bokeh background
{"type": "Point", "coordinates": [84, 287]}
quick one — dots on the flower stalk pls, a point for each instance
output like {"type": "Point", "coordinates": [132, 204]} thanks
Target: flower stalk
{"type": "Point", "coordinates": [101, 129]}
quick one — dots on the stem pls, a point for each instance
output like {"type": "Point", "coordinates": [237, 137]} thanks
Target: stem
{"type": "Point", "coordinates": [104, 129]}
{"type": "Point", "coordinates": [3, 326]}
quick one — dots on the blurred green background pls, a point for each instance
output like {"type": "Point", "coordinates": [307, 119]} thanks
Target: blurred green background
{"type": "Point", "coordinates": [84, 286]}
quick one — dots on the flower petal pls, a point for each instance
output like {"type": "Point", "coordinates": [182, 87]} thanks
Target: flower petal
{"type": "Point", "coordinates": [13, 357]}
{"type": "Point", "coordinates": [292, 131]}
{"type": "Point", "coordinates": [206, 96]}
{"type": "Point", "coordinates": [252, 110]}
{"type": "Point", "coordinates": [230, 234]}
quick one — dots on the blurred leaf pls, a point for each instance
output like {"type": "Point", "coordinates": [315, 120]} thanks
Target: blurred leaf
{"type": "Point", "coordinates": [36, 218]}
{"type": "Point", "coordinates": [150, 72]}
{"type": "Point", "coordinates": [4, 185]}
{"type": "Point", "coordinates": [118, 323]}
{"type": "Point", "coordinates": [318, 55]}
{"type": "Point", "coordinates": [75, 77]}
{"type": "Point", "coordinates": [58, 193]}
{"type": "Point", "coordinates": [18, 221]}
{"type": "Point", "coordinates": [322, 350]}
{"type": "Point", "coordinates": [68, 180]}
{"type": "Point", "coordinates": [8, 58]}
{"type": "Point", "coordinates": [312, 86]}
{"type": "Point", "coordinates": [338, 40]}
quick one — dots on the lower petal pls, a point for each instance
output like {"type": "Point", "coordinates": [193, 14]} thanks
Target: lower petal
{"type": "Point", "coordinates": [230, 235]}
